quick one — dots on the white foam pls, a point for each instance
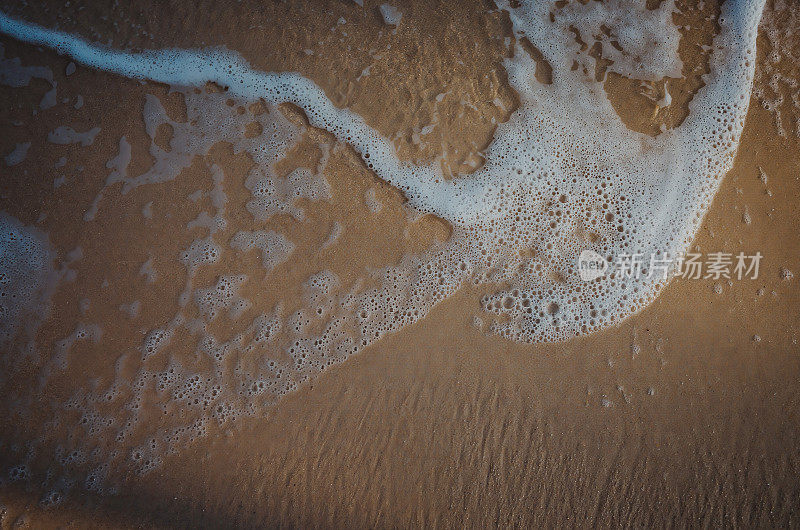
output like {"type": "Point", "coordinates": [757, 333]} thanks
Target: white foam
{"type": "Point", "coordinates": [274, 247]}
{"type": "Point", "coordinates": [132, 309]}
{"type": "Point", "coordinates": [27, 280]}
{"type": "Point", "coordinates": [373, 204]}
{"type": "Point", "coordinates": [391, 15]}
{"type": "Point", "coordinates": [563, 175]}
{"type": "Point", "coordinates": [64, 135]}
{"type": "Point", "coordinates": [777, 83]}
{"type": "Point", "coordinates": [223, 295]}
{"type": "Point", "coordinates": [148, 271]}
{"type": "Point", "coordinates": [563, 167]}
{"type": "Point", "coordinates": [119, 164]}
{"type": "Point", "coordinates": [13, 74]}
{"type": "Point", "coordinates": [18, 154]}
{"type": "Point", "coordinates": [646, 49]}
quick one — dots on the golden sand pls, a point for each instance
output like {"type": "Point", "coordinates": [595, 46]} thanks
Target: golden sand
{"type": "Point", "coordinates": [686, 414]}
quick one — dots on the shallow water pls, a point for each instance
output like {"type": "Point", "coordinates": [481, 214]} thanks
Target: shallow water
{"type": "Point", "coordinates": [200, 251]}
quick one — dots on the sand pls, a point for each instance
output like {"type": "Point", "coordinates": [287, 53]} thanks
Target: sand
{"type": "Point", "coordinates": [685, 414]}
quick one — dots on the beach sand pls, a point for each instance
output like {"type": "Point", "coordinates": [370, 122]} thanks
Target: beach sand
{"type": "Point", "coordinates": [685, 414]}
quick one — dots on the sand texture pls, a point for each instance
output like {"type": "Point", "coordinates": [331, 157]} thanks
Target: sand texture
{"type": "Point", "coordinates": [684, 415]}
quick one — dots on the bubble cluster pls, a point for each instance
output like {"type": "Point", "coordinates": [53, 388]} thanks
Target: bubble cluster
{"type": "Point", "coordinates": [562, 176]}
{"type": "Point", "coordinates": [776, 83]}
{"type": "Point", "coordinates": [27, 279]}
{"type": "Point", "coordinates": [274, 247]}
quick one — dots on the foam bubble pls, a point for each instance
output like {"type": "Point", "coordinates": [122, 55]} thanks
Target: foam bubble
{"type": "Point", "coordinates": [777, 77]}
{"type": "Point", "coordinates": [65, 135]}
{"type": "Point", "coordinates": [274, 247]}
{"type": "Point", "coordinates": [391, 15]}
{"type": "Point", "coordinates": [18, 154]}
{"type": "Point", "coordinates": [27, 279]}
{"type": "Point", "coordinates": [562, 176]}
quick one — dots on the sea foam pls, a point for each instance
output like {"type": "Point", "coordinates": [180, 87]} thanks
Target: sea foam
{"type": "Point", "coordinates": [562, 176]}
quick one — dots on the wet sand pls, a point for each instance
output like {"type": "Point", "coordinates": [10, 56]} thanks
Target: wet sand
{"type": "Point", "coordinates": [685, 414]}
